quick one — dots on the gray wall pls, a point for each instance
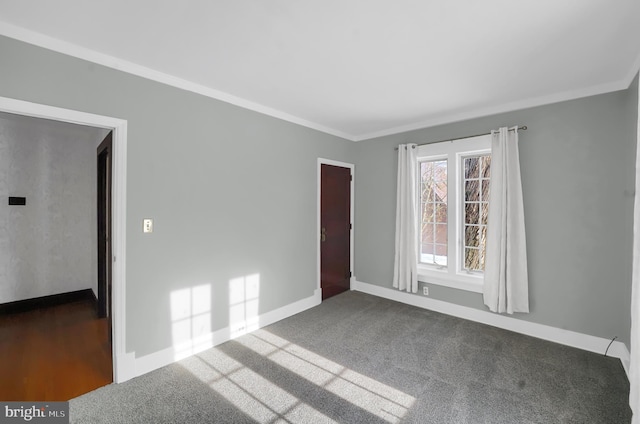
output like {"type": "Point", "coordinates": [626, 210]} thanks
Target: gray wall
{"type": "Point", "coordinates": [47, 246]}
{"type": "Point", "coordinates": [232, 192]}
{"type": "Point", "coordinates": [578, 175]}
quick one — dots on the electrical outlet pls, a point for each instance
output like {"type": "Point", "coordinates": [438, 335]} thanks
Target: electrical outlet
{"type": "Point", "coordinates": [147, 225]}
{"type": "Point", "coordinates": [425, 290]}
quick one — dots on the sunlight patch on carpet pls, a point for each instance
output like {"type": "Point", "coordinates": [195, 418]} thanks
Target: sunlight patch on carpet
{"type": "Point", "coordinates": [366, 393]}
{"type": "Point", "coordinates": [250, 392]}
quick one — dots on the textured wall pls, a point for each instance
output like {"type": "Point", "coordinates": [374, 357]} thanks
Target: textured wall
{"type": "Point", "coordinates": [47, 246]}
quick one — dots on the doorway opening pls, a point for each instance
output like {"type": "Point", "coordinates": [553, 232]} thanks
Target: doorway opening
{"type": "Point", "coordinates": [115, 204]}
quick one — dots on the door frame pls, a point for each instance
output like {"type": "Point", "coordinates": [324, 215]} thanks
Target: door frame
{"type": "Point", "coordinates": [352, 168]}
{"type": "Point", "coordinates": [123, 366]}
{"type": "Point", "coordinates": [104, 153]}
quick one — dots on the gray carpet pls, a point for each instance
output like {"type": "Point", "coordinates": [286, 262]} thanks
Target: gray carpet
{"type": "Point", "coordinates": [357, 358]}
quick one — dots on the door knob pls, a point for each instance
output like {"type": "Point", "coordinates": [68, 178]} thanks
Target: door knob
{"type": "Point", "coordinates": [323, 234]}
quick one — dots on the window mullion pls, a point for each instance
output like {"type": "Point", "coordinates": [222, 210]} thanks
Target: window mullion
{"type": "Point", "coordinates": [452, 214]}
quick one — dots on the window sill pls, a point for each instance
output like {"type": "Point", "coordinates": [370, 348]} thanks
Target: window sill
{"type": "Point", "coordinates": [443, 278]}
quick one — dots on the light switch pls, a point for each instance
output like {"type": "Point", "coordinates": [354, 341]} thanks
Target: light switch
{"type": "Point", "coordinates": [147, 225]}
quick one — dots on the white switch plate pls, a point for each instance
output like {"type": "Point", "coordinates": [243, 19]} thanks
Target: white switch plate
{"type": "Point", "coordinates": [147, 225]}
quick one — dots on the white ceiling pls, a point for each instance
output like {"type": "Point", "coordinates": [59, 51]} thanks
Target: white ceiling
{"type": "Point", "coordinates": [354, 68]}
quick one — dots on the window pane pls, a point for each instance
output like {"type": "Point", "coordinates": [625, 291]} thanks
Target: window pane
{"type": "Point", "coordinates": [426, 171]}
{"type": "Point", "coordinates": [486, 166]}
{"type": "Point", "coordinates": [441, 233]}
{"type": "Point", "coordinates": [440, 170]}
{"type": "Point", "coordinates": [483, 238]}
{"type": "Point", "coordinates": [472, 167]}
{"type": "Point", "coordinates": [485, 214]}
{"type": "Point", "coordinates": [427, 192]}
{"type": "Point", "coordinates": [441, 212]}
{"type": "Point", "coordinates": [471, 213]}
{"type": "Point", "coordinates": [433, 198]}
{"type": "Point", "coordinates": [428, 239]}
{"type": "Point", "coordinates": [472, 191]}
{"type": "Point", "coordinates": [428, 234]}
{"type": "Point", "coordinates": [472, 236]}
{"type": "Point", "coordinates": [441, 254]}
{"type": "Point", "coordinates": [440, 193]}
{"type": "Point", "coordinates": [472, 259]}
{"type": "Point", "coordinates": [485, 190]}
{"type": "Point", "coordinates": [428, 258]}
{"type": "Point", "coordinates": [483, 247]}
{"type": "Point", "coordinates": [476, 187]}
{"type": "Point", "coordinates": [427, 212]}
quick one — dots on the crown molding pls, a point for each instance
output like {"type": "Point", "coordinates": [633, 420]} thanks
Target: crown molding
{"type": "Point", "coordinates": [70, 49]}
{"type": "Point", "coordinates": [79, 52]}
{"type": "Point", "coordinates": [505, 107]}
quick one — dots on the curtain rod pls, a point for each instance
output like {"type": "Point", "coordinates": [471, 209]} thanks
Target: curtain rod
{"type": "Point", "coordinates": [523, 128]}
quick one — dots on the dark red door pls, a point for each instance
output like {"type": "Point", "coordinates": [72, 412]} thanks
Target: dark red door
{"type": "Point", "coordinates": [335, 225]}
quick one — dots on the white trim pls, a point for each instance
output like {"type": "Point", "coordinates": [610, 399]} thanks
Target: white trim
{"type": "Point", "coordinates": [164, 357]}
{"type": "Point", "coordinates": [168, 356]}
{"type": "Point", "coordinates": [352, 168]}
{"type": "Point", "coordinates": [70, 49]}
{"type": "Point", "coordinates": [119, 246]}
{"type": "Point", "coordinates": [122, 366]}
{"type": "Point", "coordinates": [442, 278]}
{"type": "Point", "coordinates": [453, 151]}
{"type": "Point", "coordinates": [619, 350]}
{"type": "Point", "coordinates": [541, 331]}
{"type": "Point", "coordinates": [74, 50]}
{"type": "Point", "coordinates": [503, 108]}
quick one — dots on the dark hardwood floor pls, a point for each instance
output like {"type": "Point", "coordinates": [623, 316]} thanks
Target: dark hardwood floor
{"type": "Point", "coordinates": [54, 353]}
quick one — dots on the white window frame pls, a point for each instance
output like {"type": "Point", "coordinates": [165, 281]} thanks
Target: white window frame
{"type": "Point", "coordinates": [453, 275]}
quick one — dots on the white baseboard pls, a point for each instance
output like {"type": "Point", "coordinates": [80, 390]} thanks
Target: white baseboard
{"type": "Point", "coordinates": [125, 368]}
{"type": "Point", "coordinates": [291, 309]}
{"type": "Point", "coordinates": [167, 356]}
{"type": "Point", "coordinates": [541, 331]}
{"type": "Point", "coordinates": [138, 366]}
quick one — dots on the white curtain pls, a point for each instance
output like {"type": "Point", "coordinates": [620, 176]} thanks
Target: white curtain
{"type": "Point", "coordinates": [405, 267]}
{"type": "Point", "coordinates": [634, 370]}
{"type": "Point", "coordinates": [506, 287]}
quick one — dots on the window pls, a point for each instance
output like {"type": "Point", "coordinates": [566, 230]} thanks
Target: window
{"type": "Point", "coordinates": [476, 171]}
{"type": "Point", "coordinates": [433, 201]}
{"type": "Point", "coordinates": [454, 198]}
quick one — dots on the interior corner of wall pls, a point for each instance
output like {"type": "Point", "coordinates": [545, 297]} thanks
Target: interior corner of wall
{"type": "Point", "coordinates": [620, 350]}
{"type": "Point", "coordinates": [317, 294]}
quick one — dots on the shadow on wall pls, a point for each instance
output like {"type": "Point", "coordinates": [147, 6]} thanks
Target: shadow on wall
{"type": "Point", "coordinates": [191, 315]}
